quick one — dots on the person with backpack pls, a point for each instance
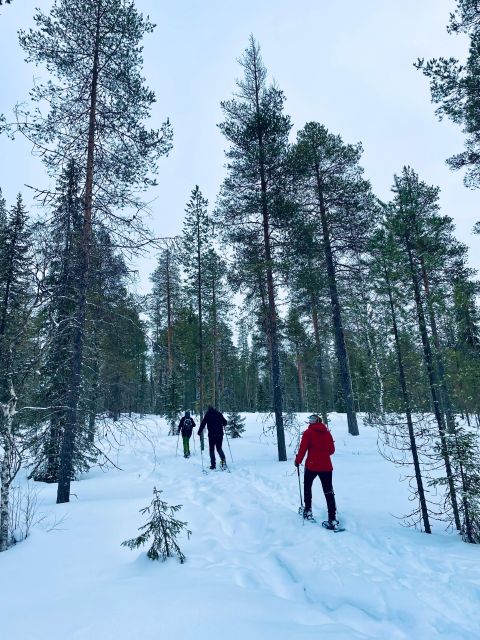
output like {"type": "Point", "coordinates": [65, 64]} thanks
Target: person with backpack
{"type": "Point", "coordinates": [187, 423]}
{"type": "Point", "coordinates": [215, 422]}
{"type": "Point", "coordinates": [317, 443]}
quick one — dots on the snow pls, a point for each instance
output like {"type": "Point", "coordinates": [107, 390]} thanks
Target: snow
{"type": "Point", "coordinates": [254, 570]}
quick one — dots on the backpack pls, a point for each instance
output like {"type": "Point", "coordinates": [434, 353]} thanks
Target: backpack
{"type": "Point", "coordinates": [187, 425]}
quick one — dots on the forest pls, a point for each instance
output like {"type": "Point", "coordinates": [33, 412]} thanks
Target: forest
{"type": "Point", "coordinates": [297, 290]}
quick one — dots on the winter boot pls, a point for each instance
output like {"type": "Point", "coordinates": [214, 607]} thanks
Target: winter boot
{"type": "Point", "coordinates": [308, 515]}
{"type": "Point", "coordinates": [212, 466]}
{"type": "Point", "coordinates": [331, 524]}
{"type": "Point", "coordinates": [223, 464]}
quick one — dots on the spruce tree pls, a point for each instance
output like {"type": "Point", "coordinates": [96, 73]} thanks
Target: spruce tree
{"type": "Point", "coordinates": [196, 240]}
{"type": "Point", "coordinates": [252, 199]}
{"type": "Point", "coordinates": [17, 301]}
{"type": "Point", "coordinates": [216, 310]}
{"type": "Point", "coordinates": [235, 426]}
{"type": "Point", "coordinates": [62, 254]}
{"type": "Point", "coordinates": [163, 527]}
{"type": "Point", "coordinates": [164, 306]}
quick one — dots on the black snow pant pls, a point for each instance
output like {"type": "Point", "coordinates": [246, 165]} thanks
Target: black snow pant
{"type": "Point", "coordinates": [215, 440]}
{"type": "Point", "coordinates": [326, 480]}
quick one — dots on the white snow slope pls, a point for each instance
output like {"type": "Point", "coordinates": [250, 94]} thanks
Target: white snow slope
{"type": "Point", "coordinates": [254, 570]}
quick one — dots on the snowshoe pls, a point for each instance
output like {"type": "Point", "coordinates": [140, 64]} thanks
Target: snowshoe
{"type": "Point", "coordinates": [332, 525]}
{"type": "Point", "coordinates": [308, 515]}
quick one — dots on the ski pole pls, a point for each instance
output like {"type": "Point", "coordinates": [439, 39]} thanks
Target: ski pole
{"type": "Point", "coordinates": [201, 452]}
{"type": "Point", "coordinates": [300, 488]}
{"type": "Point", "coordinates": [228, 442]}
{"type": "Point", "coordinates": [194, 445]}
{"type": "Point", "coordinates": [178, 438]}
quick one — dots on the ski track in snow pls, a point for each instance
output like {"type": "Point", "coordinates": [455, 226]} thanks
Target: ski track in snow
{"type": "Point", "coordinates": [253, 570]}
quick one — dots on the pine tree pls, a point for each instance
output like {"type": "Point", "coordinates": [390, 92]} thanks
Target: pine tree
{"type": "Point", "coordinates": [413, 207]}
{"type": "Point", "coordinates": [163, 528]}
{"type": "Point", "coordinates": [252, 200]}
{"type": "Point", "coordinates": [455, 87]}
{"type": "Point", "coordinates": [308, 291]}
{"type": "Point", "coordinates": [466, 462]}
{"type": "Point", "coordinates": [98, 103]}
{"type": "Point", "coordinates": [465, 341]}
{"type": "Point", "coordinates": [389, 286]}
{"type": "Point", "coordinates": [330, 176]}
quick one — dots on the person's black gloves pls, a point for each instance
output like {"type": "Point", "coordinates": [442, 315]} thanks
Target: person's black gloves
{"type": "Point", "coordinates": [297, 464]}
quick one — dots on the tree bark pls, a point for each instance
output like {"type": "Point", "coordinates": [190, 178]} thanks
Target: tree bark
{"type": "Point", "coordinates": [169, 319]}
{"type": "Point", "coordinates": [444, 392]}
{"type": "Point", "coordinates": [8, 469]}
{"type": "Point", "coordinates": [301, 391]}
{"type": "Point", "coordinates": [340, 346]}
{"type": "Point", "coordinates": [319, 365]}
{"type": "Point", "coordinates": [215, 340]}
{"type": "Point", "coordinates": [408, 410]}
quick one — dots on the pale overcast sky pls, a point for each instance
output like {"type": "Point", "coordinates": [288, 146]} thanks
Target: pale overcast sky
{"type": "Point", "coordinates": [345, 64]}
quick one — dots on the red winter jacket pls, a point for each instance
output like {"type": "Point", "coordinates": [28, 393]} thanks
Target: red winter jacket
{"type": "Point", "coordinates": [318, 441]}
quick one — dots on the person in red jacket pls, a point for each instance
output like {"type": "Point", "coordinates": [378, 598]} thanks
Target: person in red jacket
{"type": "Point", "coordinates": [318, 443]}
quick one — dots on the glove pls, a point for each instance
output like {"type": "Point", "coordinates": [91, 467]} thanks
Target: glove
{"type": "Point", "coordinates": [297, 464]}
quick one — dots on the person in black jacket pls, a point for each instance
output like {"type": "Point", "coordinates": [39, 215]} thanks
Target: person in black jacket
{"type": "Point", "coordinates": [187, 423]}
{"type": "Point", "coordinates": [215, 422]}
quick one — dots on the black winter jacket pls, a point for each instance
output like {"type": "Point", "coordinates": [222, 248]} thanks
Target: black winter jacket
{"type": "Point", "coordinates": [215, 422]}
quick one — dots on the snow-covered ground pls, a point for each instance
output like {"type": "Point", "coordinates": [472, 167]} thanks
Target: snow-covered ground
{"type": "Point", "coordinates": [253, 570]}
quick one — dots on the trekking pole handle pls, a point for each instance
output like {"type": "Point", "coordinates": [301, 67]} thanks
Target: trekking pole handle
{"type": "Point", "coordinates": [299, 486]}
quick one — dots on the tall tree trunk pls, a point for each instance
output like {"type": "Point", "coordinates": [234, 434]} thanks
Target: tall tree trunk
{"type": "Point", "coordinates": [215, 340]}
{"type": "Point", "coordinates": [5, 494]}
{"type": "Point", "coordinates": [445, 393]}
{"type": "Point", "coordinates": [319, 364]}
{"type": "Point", "coordinates": [427, 353]}
{"type": "Point", "coordinates": [200, 324]}
{"type": "Point", "coordinates": [371, 342]}
{"type": "Point", "coordinates": [301, 391]}
{"type": "Point", "coordinates": [340, 346]}
{"type": "Point", "coordinates": [9, 468]}
{"type": "Point", "coordinates": [272, 311]}
{"type": "Point", "coordinates": [53, 449]}
{"type": "Point", "coordinates": [169, 320]}
{"type": "Point", "coordinates": [408, 410]}
{"type": "Point", "coordinates": [68, 443]}
{"type": "Point", "coordinates": [92, 414]}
